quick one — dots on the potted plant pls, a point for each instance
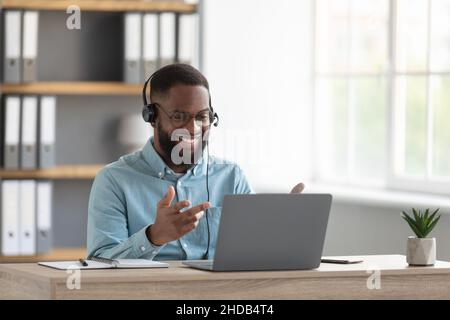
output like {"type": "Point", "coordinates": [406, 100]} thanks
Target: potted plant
{"type": "Point", "coordinates": [421, 250]}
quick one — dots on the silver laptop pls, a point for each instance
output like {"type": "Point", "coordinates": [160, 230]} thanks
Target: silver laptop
{"type": "Point", "coordinates": [269, 232]}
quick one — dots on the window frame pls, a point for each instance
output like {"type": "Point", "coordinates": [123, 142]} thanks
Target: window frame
{"type": "Point", "coordinates": [390, 180]}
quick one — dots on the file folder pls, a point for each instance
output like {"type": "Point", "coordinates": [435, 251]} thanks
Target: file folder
{"type": "Point", "coordinates": [2, 46]}
{"type": "Point", "coordinates": [44, 236]}
{"type": "Point", "coordinates": [12, 46]}
{"type": "Point", "coordinates": [27, 219]}
{"type": "Point", "coordinates": [10, 218]}
{"type": "Point", "coordinates": [150, 44]}
{"type": "Point", "coordinates": [167, 38]}
{"type": "Point", "coordinates": [47, 122]}
{"type": "Point", "coordinates": [132, 65]}
{"type": "Point", "coordinates": [2, 130]}
{"type": "Point", "coordinates": [29, 132]}
{"type": "Point", "coordinates": [12, 132]}
{"type": "Point", "coordinates": [29, 45]}
{"type": "Point", "coordinates": [188, 41]}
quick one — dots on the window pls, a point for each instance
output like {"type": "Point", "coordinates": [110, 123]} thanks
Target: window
{"type": "Point", "coordinates": [382, 93]}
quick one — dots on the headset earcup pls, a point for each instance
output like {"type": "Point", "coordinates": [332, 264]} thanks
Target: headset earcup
{"type": "Point", "coordinates": [148, 113]}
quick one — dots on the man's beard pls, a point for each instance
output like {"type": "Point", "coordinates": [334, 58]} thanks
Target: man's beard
{"type": "Point", "coordinates": [167, 145]}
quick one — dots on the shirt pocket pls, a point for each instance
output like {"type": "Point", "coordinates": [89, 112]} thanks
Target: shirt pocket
{"type": "Point", "coordinates": [213, 216]}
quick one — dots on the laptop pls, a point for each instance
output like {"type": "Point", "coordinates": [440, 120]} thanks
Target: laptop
{"type": "Point", "coordinates": [269, 232]}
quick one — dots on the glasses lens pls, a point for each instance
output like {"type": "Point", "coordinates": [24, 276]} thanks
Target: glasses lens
{"type": "Point", "coordinates": [179, 118]}
{"type": "Point", "coordinates": [204, 117]}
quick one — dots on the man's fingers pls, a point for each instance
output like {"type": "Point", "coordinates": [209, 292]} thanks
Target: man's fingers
{"type": "Point", "coordinates": [181, 204]}
{"type": "Point", "coordinates": [298, 188]}
{"type": "Point", "coordinates": [167, 200]}
{"type": "Point", "coordinates": [187, 219]}
{"type": "Point", "coordinates": [198, 216]}
{"type": "Point", "coordinates": [188, 228]}
{"type": "Point", "coordinates": [189, 223]}
{"type": "Point", "coordinates": [194, 210]}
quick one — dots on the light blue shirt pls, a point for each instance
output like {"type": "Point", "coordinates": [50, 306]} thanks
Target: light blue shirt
{"type": "Point", "coordinates": [125, 194]}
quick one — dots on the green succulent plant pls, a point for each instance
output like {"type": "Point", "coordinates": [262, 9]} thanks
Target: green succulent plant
{"type": "Point", "coordinates": [421, 223]}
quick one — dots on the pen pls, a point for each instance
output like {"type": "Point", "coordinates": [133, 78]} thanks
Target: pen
{"type": "Point", "coordinates": [83, 262]}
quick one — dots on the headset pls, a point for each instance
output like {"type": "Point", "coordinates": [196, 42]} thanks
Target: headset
{"type": "Point", "coordinates": [149, 110]}
{"type": "Point", "coordinates": [149, 114]}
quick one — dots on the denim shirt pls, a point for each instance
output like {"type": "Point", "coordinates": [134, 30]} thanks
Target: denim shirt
{"type": "Point", "coordinates": [125, 194]}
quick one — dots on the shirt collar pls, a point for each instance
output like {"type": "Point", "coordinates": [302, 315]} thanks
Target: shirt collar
{"type": "Point", "coordinates": [158, 165]}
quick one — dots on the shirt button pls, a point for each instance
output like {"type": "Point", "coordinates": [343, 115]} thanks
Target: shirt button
{"type": "Point", "coordinates": [142, 248]}
{"type": "Point", "coordinates": [185, 245]}
{"type": "Point", "coordinates": [160, 174]}
{"type": "Point", "coordinates": [179, 184]}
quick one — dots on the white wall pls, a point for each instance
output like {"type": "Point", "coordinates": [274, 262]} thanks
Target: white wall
{"type": "Point", "coordinates": [357, 229]}
{"type": "Point", "coordinates": [257, 60]}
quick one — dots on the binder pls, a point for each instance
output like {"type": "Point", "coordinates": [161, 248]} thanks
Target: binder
{"type": "Point", "coordinates": [132, 64]}
{"type": "Point", "coordinates": [2, 47]}
{"type": "Point", "coordinates": [29, 132]}
{"type": "Point", "coordinates": [29, 45]}
{"type": "Point", "coordinates": [46, 124]}
{"type": "Point", "coordinates": [12, 131]}
{"type": "Point", "coordinates": [188, 41]}
{"type": "Point", "coordinates": [44, 236]}
{"type": "Point", "coordinates": [27, 217]}
{"type": "Point", "coordinates": [12, 46]}
{"type": "Point", "coordinates": [150, 44]}
{"type": "Point", "coordinates": [2, 130]}
{"type": "Point", "coordinates": [167, 38]}
{"type": "Point", "coordinates": [9, 218]}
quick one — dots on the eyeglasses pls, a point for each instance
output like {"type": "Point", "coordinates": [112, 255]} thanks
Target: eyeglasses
{"type": "Point", "coordinates": [180, 118]}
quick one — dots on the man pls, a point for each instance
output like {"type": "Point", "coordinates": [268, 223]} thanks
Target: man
{"type": "Point", "coordinates": [151, 204]}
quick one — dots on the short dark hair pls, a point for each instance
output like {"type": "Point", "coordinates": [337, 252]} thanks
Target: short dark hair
{"type": "Point", "coordinates": [174, 74]}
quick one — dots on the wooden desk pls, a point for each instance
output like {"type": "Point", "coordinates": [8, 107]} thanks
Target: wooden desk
{"type": "Point", "coordinates": [330, 281]}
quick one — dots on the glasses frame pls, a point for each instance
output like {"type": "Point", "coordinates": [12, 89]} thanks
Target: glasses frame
{"type": "Point", "coordinates": [175, 123]}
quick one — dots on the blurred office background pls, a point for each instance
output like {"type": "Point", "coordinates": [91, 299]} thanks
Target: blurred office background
{"type": "Point", "coordinates": [351, 97]}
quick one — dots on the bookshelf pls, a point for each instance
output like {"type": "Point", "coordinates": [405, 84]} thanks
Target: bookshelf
{"type": "Point", "coordinates": [103, 5]}
{"type": "Point", "coordinates": [81, 172]}
{"type": "Point", "coordinates": [54, 255]}
{"type": "Point", "coordinates": [73, 88]}
{"type": "Point", "coordinates": [91, 96]}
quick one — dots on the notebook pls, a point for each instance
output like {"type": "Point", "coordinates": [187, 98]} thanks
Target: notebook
{"type": "Point", "coordinates": [103, 263]}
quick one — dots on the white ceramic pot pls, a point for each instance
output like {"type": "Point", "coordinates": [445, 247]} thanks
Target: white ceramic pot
{"type": "Point", "coordinates": [421, 251]}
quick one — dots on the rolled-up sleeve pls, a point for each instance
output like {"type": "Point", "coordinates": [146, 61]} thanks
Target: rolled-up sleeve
{"type": "Point", "coordinates": [108, 235]}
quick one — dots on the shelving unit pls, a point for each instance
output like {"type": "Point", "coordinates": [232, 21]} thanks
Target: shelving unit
{"type": "Point", "coordinates": [80, 172]}
{"type": "Point", "coordinates": [88, 95]}
{"type": "Point", "coordinates": [102, 5]}
{"type": "Point", "coordinates": [73, 88]}
{"type": "Point", "coordinates": [54, 255]}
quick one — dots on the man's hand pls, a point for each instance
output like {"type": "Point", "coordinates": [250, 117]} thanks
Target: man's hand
{"type": "Point", "coordinates": [170, 223]}
{"type": "Point", "coordinates": [298, 188]}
